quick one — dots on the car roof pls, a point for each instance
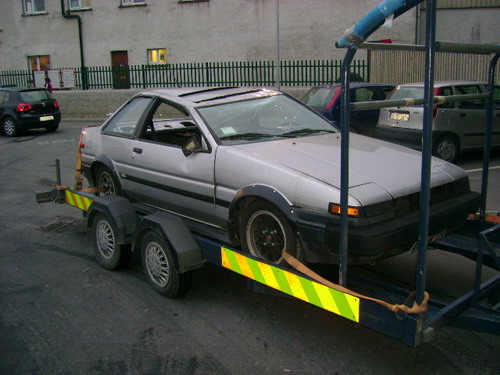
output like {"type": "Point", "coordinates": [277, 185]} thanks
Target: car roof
{"type": "Point", "coordinates": [199, 96]}
{"type": "Point", "coordinates": [356, 85]}
{"type": "Point", "coordinates": [19, 89]}
{"type": "Point", "coordinates": [442, 83]}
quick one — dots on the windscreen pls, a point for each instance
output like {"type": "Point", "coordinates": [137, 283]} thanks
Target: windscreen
{"type": "Point", "coordinates": [263, 118]}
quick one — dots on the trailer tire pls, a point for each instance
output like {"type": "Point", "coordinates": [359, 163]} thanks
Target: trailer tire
{"type": "Point", "coordinates": [158, 263]}
{"type": "Point", "coordinates": [109, 253]}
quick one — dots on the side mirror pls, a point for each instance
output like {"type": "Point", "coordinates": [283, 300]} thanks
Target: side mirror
{"type": "Point", "coordinates": [192, 145]}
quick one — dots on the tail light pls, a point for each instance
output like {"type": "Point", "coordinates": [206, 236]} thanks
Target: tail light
{"type": "Point", "coordinates": [24, 107]}
{"type": "Point", "coordinates": [334, 99]}
{"type": "Point", "coordinates": [56, 104]}
{"type": "Point", "coordinates": [437, 91]}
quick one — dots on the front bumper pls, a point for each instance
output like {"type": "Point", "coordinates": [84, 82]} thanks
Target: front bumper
{"type": "Point", "coordinates": [319, 233]}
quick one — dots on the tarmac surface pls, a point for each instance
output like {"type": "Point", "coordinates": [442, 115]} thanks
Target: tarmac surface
{"type": "Point", "coordinates": [64, 314]}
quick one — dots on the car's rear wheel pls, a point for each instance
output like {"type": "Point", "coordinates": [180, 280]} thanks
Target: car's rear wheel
{"type": "Point", "coordinates": [447, 148]}
{"type": "Point", "coordinates": [109, 253]}
{"type": "Point", "coordinates": [51, 128]}
{"type": "Point", "coordinates": [158, 263]}
{"type": "Point", "coordinates": [9, 127]}
{"type": "Point", "coordinates": [105, 179]}
{"type": "Point", "coordinates": [265, 232]}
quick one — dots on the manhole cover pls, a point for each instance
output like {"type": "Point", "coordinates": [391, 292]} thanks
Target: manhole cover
{"type": "Point", "coordinates": [58, 224]}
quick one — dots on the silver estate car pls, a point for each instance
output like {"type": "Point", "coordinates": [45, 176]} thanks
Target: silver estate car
{"type": "Point", "coordinates": [456, 126]}
{"type": "Point", "coordinates": [263, 170]}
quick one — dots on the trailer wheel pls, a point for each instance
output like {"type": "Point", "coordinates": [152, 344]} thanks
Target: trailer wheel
{"type": "Point", "coordinates": [109, 254]}
{"type": "Point", "coordinates": [158, 263]}
{"type": "Point", "coordinates": [104, 178]}
{"type": "Point", "coordinates": [265, 231]}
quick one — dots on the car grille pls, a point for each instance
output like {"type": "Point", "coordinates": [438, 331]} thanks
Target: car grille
{"type": "Point", "coordinates": [411, 203]}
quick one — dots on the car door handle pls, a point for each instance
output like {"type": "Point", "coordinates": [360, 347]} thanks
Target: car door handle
{"type": "Point", "coordinates": [137, 150]}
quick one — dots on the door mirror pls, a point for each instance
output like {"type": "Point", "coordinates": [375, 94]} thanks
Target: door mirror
{"type": "Point", "coordinates": [193, 145]}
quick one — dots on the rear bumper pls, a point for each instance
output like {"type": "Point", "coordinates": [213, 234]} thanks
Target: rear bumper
{"type": "Point", "coordinates": [411, 138]}
{"type": "Point", "coordinates": [320, 237]}
{"type": "Point", "coordinates": [27, 121]}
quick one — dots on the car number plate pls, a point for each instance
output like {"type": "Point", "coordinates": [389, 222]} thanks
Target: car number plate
{"type": "Point", "coordinates": [399, 116]}
{"type": "Point", "coordinates": [46, 118]}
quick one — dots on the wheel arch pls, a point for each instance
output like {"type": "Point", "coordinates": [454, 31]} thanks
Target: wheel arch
{"type": "Point", "coordinates": [249, 194]}
{"type": "Point", "coordinates": [101, 161]}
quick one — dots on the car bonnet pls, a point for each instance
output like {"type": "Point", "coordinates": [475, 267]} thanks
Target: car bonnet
{"type": "Point", "coordinates": [392, 168]}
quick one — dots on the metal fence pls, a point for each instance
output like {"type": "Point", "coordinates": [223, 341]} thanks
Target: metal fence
{"type": "Point", "coordinates": [240, 73]}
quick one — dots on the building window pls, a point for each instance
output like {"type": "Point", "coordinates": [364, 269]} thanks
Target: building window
{"type": "Point", "coordinates": [157, 56]}
{"type": "Point", "coordinates": [34, 6]}
{"type": "Point", "coordinates": [133, 2]}
{"type": "Point", "coordinates": [39, 62]}
{"type": "Point", "coordinates": [79, 4]}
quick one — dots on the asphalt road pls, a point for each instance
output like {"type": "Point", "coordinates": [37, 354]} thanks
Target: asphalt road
{"type": "Point", "coordinates": [61, 313]}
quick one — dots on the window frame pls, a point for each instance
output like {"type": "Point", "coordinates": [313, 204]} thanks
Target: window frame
{"type": "Point", "coordinates": [87, 5]}
{"type": "Point", "coordinates": [158, 51]}
{"type": "Point", "coordinates": [132, 3]}
{"type": "Point", "coordinates": [33, 12]}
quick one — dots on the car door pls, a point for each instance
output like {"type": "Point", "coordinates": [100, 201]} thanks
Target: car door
{"type": "Point", "coordinates": [159, 173]}
{"type": "Point", "coordinates": [471, 116]}
{"type": "Point", "coordinates": [364, 121]}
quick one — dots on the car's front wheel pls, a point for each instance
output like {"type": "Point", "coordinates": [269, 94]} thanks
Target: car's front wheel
{"type": "Point", "coordinates": [265, 232]}
{"type": "Point", "coordinates": [447, 148]}
{"type": "Point", "coordinates": [9, 127]}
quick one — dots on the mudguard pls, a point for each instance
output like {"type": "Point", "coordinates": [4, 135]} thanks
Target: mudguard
{"type": "Point", "coordinates": [185, 249]}
{"type": "Point", "coordinates": [121, 214]}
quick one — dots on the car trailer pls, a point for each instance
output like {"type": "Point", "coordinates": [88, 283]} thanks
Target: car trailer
{"type": "Point", "coordinates": [171, 247]}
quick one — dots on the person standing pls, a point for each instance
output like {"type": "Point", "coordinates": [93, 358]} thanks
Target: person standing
{"type": "Point", "coordinates": [48, 85]}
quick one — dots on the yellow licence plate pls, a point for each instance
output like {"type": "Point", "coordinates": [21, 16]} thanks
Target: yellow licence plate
{"type": "Point", "coordinates": [399, 116]}
{"type": "Point", "coordinates": [46, 118]}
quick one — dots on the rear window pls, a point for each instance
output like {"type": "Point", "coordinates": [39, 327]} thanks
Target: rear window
{"type": "Point", "coordinates": [407, 92]}
{"type": "Point", "coordinates": [319, 97]}
{"type": "Point", "coordinates": [35, 96]}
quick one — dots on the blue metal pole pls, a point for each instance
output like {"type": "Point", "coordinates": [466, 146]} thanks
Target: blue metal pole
{"type": "Point", "coordinates": [344, 165]}
{"type": "Point", "coordinates": [426, 149]}
{"type": "Point", "coordinates": [487, 140]}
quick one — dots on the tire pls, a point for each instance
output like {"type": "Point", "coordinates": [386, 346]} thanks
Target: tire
{"type": "Point", "coordinates": [104, 178]}
{"type": "Point", "coordinates": [109, 254]}
{"type": "Point", "coordinates": [265, 231]}
{"type": "Point", "coordinates": [447, 148]}
{"type": "Point", "coordinates": [9, 127]}
{"type": "Point", "coordinates": [159, 267]}
{"type": "Point", "coordinates": [52, 128]}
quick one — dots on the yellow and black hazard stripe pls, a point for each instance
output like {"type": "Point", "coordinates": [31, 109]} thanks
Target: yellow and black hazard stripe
{"type": "Point", "coordinates": [287, 282]}
{"type": "Point", "coordinates": [78, 200]}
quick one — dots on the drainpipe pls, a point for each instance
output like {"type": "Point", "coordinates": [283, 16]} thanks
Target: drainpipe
{"type": "Point", "coordinates": [66, 14]}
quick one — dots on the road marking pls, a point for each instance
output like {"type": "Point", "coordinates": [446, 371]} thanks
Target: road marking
{"type": "Point", "coordinates": [481, 169]}
{"type": "Point", "coordinates": [57, 141]}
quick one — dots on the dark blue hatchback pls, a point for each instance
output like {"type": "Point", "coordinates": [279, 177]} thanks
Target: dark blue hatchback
{"type": "Point", "coordinates": [27, 108]}
{"type": "Point", "coordinates": [326, 100]}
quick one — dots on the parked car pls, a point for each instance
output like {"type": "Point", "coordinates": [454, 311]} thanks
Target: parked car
{"type": "Point", "coordinates": [27, 108]}
{"type": "Point", "coordinates": [456, 126]}
{"type": "Point", "coordinates": [263, 169]}
{"type": "Point", "coordinates": [326, 100]}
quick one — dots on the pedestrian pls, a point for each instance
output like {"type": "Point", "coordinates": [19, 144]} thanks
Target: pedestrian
{"type": "Point", "coordinates": [48, 85]}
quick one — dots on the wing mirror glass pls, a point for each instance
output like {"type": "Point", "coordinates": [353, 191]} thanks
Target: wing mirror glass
{"type": "Point", "coordinates": [193, 145]}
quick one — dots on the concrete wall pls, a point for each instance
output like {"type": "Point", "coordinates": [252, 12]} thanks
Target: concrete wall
{"type": "Point", "coordinates": [97, 104]}
{"type": "Point", "coordinates": [214, 30]}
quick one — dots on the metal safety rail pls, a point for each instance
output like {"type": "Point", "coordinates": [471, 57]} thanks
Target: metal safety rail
{"type": "Point", "coordinates": [353, 40]}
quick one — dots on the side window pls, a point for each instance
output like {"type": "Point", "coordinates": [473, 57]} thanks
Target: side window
{"type": "Point", "coordinates": [4, 98]}
{"type": "Point", "coordinates": [125, 122]}
{"type": "Point", "coordinates": [446, 91]}
{"type": "Point", "coordinates": [169, 125]}
{"type": "Point", "coordinates": [471, 104]}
